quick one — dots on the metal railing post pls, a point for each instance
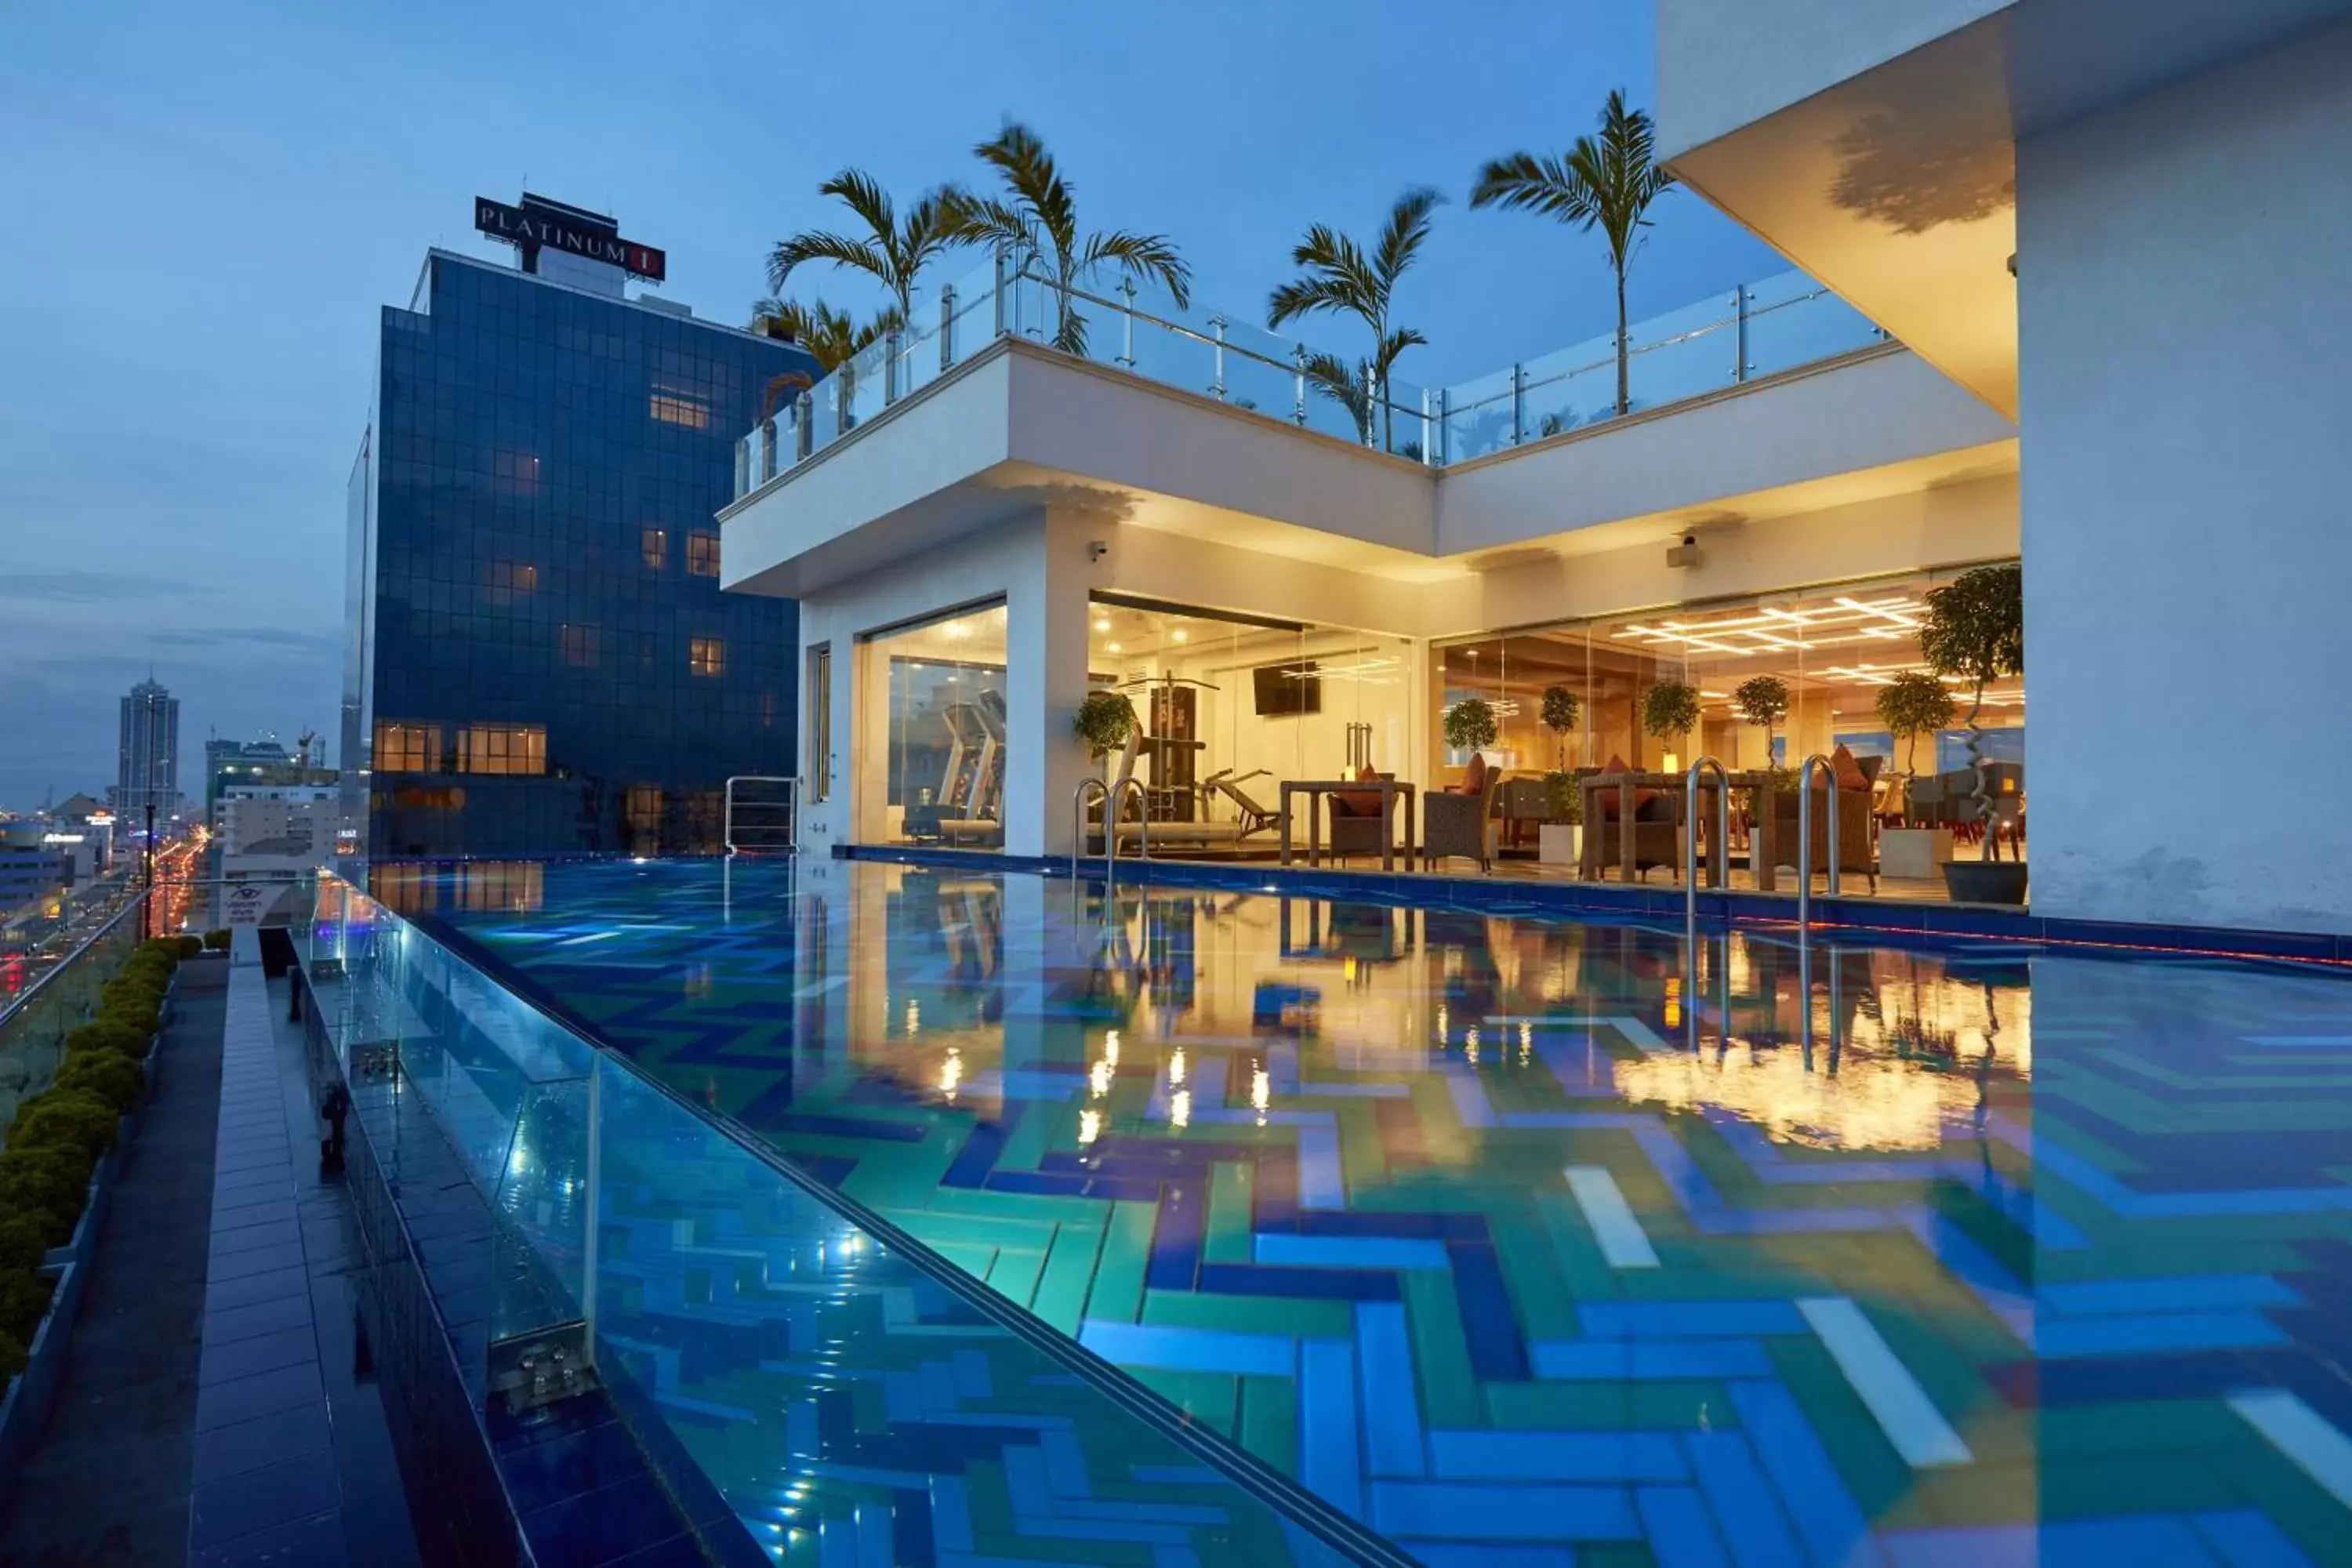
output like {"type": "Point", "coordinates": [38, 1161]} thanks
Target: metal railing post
{"type": "Point", "coordinates": [1518, 403]}
{"type": "Point", "coordinates": [1299, 382]}
{"type": "Point", "coordinates": [1805, 833]}
{"type": "Point", "coordinates": [1428, 433]}
{"type": "Point", "coordinates": [844, 398]}
{"type": "Point", "coordinates": [1078, 818]}
{"type": "Point", "coordinates": [890, 393]}
{"type": "Point", "coordinates": [946, 326]}
{"type": "Point", "coordinates": [1126, 324]}
{"type": "Point", "coordinates": [803, 425]}
{"type": "Point", "coordinates": [1217, 381]}
{"type": "Point", "coordinates": [1003, 281]}
{"type": "Point", "coordinates": [1739, 334]}
{"type": "Point", "coordinates": [1719, 851]}
{"type": "Point", "coordinates": [1444, 425]}
{"type": "Point", "coordinates": [1110, 826]}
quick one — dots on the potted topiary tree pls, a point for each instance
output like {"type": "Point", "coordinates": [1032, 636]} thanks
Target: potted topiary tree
{"type": "Point", "coordinates": [1470, 725]}
{"type": "Point", "coordinates": [1763, 700]}
{"type": "Point", "coordinates": [1914, 703]}
{"type": "Point", "coordinates": [1669, 708]}
{"type": "Point", "coordinates": [1975, 630]}
{"type": "Point", "coordinates": [1560, 838]}
{"type": "Point", "coordinates": [1102, 723]}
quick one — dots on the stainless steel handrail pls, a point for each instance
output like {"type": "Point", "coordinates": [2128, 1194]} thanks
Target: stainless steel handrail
{"type": "Point", "coordinates": [1078, 819]}
{"type": "Point", "coordinates": [1110, 826]}
{"type": "Point", "coordinates": [26, 998]}
{"type": "Point", "coordinates": [1722, 856]}
{"type": "Point", "coordinates": [792, 803]}
{"type": "Point", "coordinates": [1805, 833]}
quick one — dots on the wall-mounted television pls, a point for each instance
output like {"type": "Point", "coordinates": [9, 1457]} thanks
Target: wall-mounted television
{"type": "Point", "coordinates": [1287, 688]}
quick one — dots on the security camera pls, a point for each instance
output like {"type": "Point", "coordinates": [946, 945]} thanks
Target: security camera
{"type": "Point", "coordinates": [1096, 549]}
{"type": "Point", "coordinates": [1686, 554]}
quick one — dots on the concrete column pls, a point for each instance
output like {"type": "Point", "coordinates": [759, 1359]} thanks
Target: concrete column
{"type": "Point", "coordinates": [1045, 676]}
{"type": "Point", "coordinates": [2184, 348]}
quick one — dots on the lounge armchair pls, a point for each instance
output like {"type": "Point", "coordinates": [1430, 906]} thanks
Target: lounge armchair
{"type": "Point", "coordinates": [1656, 828]}
{"type": "Point", "coordinates": [1345, 832]}
{"type": "Point", "coordinates": [1856, 848]}
{"type": "Point", "coordinates": [1461, 825]}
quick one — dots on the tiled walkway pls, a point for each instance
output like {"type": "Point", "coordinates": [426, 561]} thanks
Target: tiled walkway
{"type": "Point", "coordinates": [293, 1462]}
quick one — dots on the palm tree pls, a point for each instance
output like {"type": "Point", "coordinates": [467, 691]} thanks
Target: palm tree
{"type": "Point", "coordinates": [1607, 183]}
{"type": "Point", "coordinates": [832, 337]}
{"type": "Point", "coordinates": [893, 251]}
{"type": "Point", "coordinates": [1341, 276]}
{"type": "Point", "coordinates": [1037, 209]}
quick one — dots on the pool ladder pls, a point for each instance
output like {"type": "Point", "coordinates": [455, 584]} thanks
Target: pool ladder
{"type": "Point", "coordinates": [1722, 845]}
{"type": "Point", "coordinates": [1110, 795]}
{"type": "Point", "coordinates": [1805, 833]}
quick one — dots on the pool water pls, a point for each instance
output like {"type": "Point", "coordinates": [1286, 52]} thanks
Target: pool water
{"type": "Point", "coordinates": [1531, 1240]}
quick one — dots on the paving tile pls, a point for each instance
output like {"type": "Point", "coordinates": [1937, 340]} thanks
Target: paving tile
{"type": "Point", "coordinates": [239, 1399]}
{"type": "Point", "coordinates": [264, 1498]}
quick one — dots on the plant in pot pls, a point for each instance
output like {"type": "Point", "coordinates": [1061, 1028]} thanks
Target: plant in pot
{"type": "Point", "coordinates": [1470, 725]}
{"type": "Point", "coordinates": [1668, 710]}
{"type": "Point", "coordinates": [1974, 629]}
{"type": "Point", "coordinates": [1560, 838]}
{"type": "Point", "coordinates": [1103, 721]}
{"type": "Point", "coordinates": [1763, 701]}
{"type": "Point", "coordinates": [1914, 703]}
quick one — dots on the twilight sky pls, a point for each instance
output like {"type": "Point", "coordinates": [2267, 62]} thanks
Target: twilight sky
{"type": "Point", "coordinates": [206, 205]}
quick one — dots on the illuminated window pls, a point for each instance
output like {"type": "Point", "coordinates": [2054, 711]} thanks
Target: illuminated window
{"type": "Point", "coordinates": [655, 548]}
{"type": "Point", "coordinates": [508, 578]}
{"type": "Point", "coordinates": [706, 656]}
{"type": "Point", "coordinates": [502, 749]}
{"type": "Point", "coordinates": [677, 406]}
{"type": "Point", "coordinates": [702, 555]}
{"type": "Point", "coordinates": [645, 809]}
{"type": "Point", "coordinates": [581, 646]}
{"type": "Point", "coordinates": [407, 748]}
{"type": "Point", "coordinates": [428, 799]}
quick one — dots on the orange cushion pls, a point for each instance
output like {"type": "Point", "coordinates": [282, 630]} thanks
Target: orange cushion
{"type": "Point", "coordinates": [1474, 777]}
{"type": "Point", "coordinates": [1610, 799]}
{"type": "Point", "coordinates": [1849, 771]}
{"type": "Point", "coordinates": [1359, 802]}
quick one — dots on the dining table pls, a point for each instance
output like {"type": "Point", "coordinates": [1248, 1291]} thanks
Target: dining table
{"type": "Point", "coordinates": [1390, 792]}
{"type": "Point", "coordinates": [1763, 843]}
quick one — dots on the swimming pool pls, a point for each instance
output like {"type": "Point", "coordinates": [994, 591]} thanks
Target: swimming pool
{"type": "Point", "coordinates": [1518, 1238]}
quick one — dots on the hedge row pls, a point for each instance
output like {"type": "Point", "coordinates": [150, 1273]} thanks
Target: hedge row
{"type": "Point", "coordinates": [59, 1135]}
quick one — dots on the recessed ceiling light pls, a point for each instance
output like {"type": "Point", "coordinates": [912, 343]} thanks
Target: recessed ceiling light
{"type": "Point", "coordinates": [1102, 623]}
{"type": "Point", "coordinates": [1113, 647]}
{"type": "Point", "coordinates": [1180, 634]}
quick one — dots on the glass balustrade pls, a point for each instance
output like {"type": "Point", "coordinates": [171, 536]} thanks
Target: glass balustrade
{"type": "Point", "coordinates": [1757, 330]}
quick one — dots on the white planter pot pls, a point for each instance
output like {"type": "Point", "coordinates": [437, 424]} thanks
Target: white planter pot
{"type": "Point", "coordinates": [1559, 843]}
{"type": "Point", "coordinates": [1913, 852]}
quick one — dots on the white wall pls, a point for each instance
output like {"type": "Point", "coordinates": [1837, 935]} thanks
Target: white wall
{"type": "Point", "coordinates": [1723, 64]}
{"type": "Point", "coordinates": [2184, 345]}
{"type": "Point", "coordinates": [1890, 408]}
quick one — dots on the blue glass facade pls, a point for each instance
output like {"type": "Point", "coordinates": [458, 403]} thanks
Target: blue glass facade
{"type": "Point", "coordinates": [540, 659]}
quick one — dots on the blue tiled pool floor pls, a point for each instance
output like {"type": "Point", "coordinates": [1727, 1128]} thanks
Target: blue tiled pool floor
{"type": "Point", "coordinates": [1556, 1236]}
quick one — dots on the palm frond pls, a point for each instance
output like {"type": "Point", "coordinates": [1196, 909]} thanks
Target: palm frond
{"type": "Point", "coordinates": [1346, 384]}
{"type": "Point", "coordinates": [1020, 156]}
{"type": "Point", "coordinates": [1404, 235]}
{"type": "Point", "coordinates": [864, 195]}
{"type": "Point", "coordinates": [860, 255]}
{"type": "Point", "coordinates": [1144, 256]}
{"type": "Point", "coordinates": [1525, 183]}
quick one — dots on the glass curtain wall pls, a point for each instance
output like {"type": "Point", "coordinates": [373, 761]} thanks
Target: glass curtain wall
{"type": "Point", "coordinates": [1232, 705]}
{"type": "Point", "coordinates": [931, 758]}
{"type": "Point", "coordinates": [1831, 649]}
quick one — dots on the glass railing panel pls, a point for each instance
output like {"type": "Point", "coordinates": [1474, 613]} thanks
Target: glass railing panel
{"type": "Point", "coordinates": [1401, 431]}
{"type": "Point", "coordinates": [52, 990]}
{"type": "Point", "coordinates": [1262, 372]}
{"type": "Point", "coordinates": [1568, 388]}
{"type": "Point", "coordinates": [1478, 416]}
{"type": "Point", "coordinates": [803, 1367]}
{"type": "Point", "coordinates": [864, 388]}
{"type": "Point", "coordinates": [542, 1209]}
{"type": "Point", "coordinates": [1793, 320]}
{"type": "Point", "coordinates": [1682, 354]}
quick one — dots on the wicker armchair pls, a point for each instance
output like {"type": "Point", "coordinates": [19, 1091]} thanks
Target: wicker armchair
{"type": "Point", "coordinates": [1346, 834]}
{"type": "Point", "coordinates": [1461, 825]}
{"type": "Point", "coordinates": [1857, 845]}
{"type": "Point", "coordinates": [1656, 828]}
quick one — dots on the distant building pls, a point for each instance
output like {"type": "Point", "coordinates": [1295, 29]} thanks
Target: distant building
{"type": "Point", "coordinates": [31, 868]}
{"type": "Point", "coordinates": [148, 770]}
{"type": "Point", "coordinates": [273, 832]}
{"type": "Point", "coordinates": [540, 658]}
{"type": "Point", "coordinates": [264, 761]}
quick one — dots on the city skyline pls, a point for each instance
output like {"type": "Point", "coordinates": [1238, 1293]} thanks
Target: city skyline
{"type": "Point", "coordinates": [186, 503]}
